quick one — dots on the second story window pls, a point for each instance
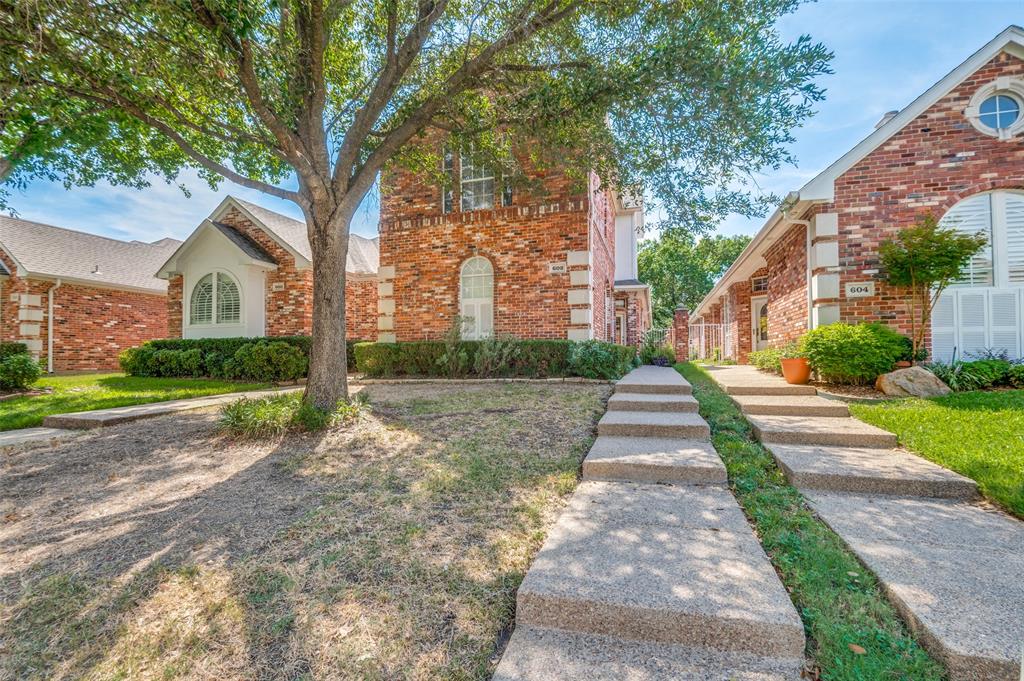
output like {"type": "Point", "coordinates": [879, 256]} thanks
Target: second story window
{"type": "Point", "coordinates": [477, 184]}
{"type": "Point", "coordinates": [447, 191]}
{"type": "Point", "coordinates": [506, 190]}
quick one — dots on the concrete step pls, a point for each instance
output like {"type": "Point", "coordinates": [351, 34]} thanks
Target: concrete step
{"type": "Point", "coordinates": [653, 459]}
{"type": "Point", "coordinates": [820, 430]}
{"type": "Point", "coordinates": [653, 380]}
{"type": "Point", "coordinates": [660, 563]}
{"type": "Point", "coordinates": [869, 471]}
{"type": "Point", "coordinates": [747, 380]}
{"type": "Point", "coordinates": [686, 425]}
{"type": "Point", "coordinates": [790, 405]}
{"type": "Point", "coordinates": [541, 654]}
{"type": "Point", "coordinates": [651, 402]}
{"type": "Point", "coordinates": [951, 568]}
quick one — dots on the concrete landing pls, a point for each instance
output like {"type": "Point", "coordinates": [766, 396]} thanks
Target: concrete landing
{"type": "Point", "coordinates": [653, 380]}
{"type": "Point", "coordinates": [24, 436]}
{"type": "Point", "coordinates": [652, 459]}
{"type": "Point", "coordinates": [953, 570]}
{"type": "Point", "coordinates": [651, 402]}
{"type": "Point", "coordinates": [686, 425]}
{"type": "Point", "coordinates": [108, 417]}
{"type": "Point", "coordinates": [540, 654]}
{"type": "Point", "coordinates": [790, 405]}
{"type": "Point", "coordinates": [743, 379]}
{"type": "Point", "coordinates": [667, 564]}
{"type": "Point", "coordinates": [869, 471]}
{"type": "Point", "coordinates": [819, 430]}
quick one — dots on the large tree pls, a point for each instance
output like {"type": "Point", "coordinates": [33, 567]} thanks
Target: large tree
{"type": "Point", "coordinates": [682, 270]}
{"type": "Point", "coordinates": [309, 100]}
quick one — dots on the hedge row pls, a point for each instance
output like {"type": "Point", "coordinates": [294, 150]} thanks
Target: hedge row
{"type": "Point", "coordinates": [8, 348]}
{"type": "Point", "coordinates": [495, 358]}
{"type": "Point", "coordinates": [260, 359]}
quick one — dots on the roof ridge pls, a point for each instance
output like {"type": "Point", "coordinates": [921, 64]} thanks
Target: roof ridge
{"type": "Point", "coordinates": [133, 242]}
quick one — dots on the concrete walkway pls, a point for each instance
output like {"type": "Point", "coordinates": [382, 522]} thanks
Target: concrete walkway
{"type": "Point", "coordinates": [951, 566]}
{"type": "Point", "coordinates": [652, 572]}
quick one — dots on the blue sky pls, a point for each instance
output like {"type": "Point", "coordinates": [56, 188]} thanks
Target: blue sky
{"type": "Point", "coordinates": [886, 53]}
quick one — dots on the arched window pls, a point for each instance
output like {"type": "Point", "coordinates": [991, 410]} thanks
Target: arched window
{"type": "Point", "coordinates": [215, 297]}
{"type": "Point", "coordinates": [476, 296]}
{"type": "Point", "coordinates": [1000, 217]}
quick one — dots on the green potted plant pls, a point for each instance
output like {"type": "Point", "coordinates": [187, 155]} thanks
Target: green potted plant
{"type": "Point", "coordinates": [795, 367]}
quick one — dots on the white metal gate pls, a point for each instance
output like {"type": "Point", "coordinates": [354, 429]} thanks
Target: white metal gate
{"type": "Point", "coordinates": [967, 321]}
{"type": "Point", "coordinates": [706, 341]}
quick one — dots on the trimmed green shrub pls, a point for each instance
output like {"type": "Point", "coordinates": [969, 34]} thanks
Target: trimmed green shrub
{"type": "Point", "coordinates": [8, 348]}
{"type": "Point", "coordinates": [768, 359]}
{"type": "Point", "coordinates": [598, 359]}
{"type": "Point", "coordinates": [525, 358]}
{"type": "Point", "coordinates": [266, 361]}
{"type": "Point", "coordinates": [494, 356]}
{"type": "Point", "coordinates": [958, 375]}
{"type": "Point", "coordinates": [19, 371]}
{"type": "Point", "coordinates": [1015, 376]}
{"type": "Point", "coordinates": [991, 372]}
{"type": "Point", "coordinates": [852, 353]}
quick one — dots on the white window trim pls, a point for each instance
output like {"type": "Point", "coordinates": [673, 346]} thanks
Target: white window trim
{"type": "Point", "coordinates": [998, 245]}
{"type": "Point", "coordinates": [187, 304]}
{"type": "Point", "coordinates": [463, 158]}
{"type": "Point", "coordinates": [476, 333]}
{"type": "Point", "coordinates": [1006, 86]}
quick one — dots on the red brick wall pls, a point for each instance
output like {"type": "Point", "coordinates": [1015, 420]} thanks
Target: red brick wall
{"type": "Point", "coordinates": [91, 325]}
{"type": "Point", "coordinates": [936, 160]}
{"type": "Point", "coordinates": [427, 249]}
{"type": "Point", "coordinates": [739, 311]}
{"type": "Point", "coordinates": [360, 308]}
{"type": "Point", "coordinates": [681, 325]}
{"type": "Point", "coordinates": [787, 287]}
{"type": "Point", "coordinates": [175, 311]}
{"type": "Point", "coordinates": [602, 244]}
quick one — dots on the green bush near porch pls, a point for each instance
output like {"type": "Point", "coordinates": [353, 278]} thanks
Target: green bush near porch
{"type": "Point", "coordinates": [528, 359]}
{"type": "Point", "coordinates": [853, 353]}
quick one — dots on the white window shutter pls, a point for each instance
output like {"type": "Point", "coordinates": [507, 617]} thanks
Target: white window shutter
{"type": "Point", "coordinates": [944, 327]}
{"type": "Point", "coordinates": [973, 314]}
{"type": "Point", "coordinates": [971, 216]}
{"type": "Point", "coordinates": [1015, 239]}
{"type": "Point", "coordinates": [1004, 323]}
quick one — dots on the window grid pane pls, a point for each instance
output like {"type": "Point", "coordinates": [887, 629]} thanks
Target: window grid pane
{"type": "Point", "coordinates": [201, 308]}
{"type": "Point", "coordinates": [229, 308]}
{"type": "Point", "coordinates": [477, 185]}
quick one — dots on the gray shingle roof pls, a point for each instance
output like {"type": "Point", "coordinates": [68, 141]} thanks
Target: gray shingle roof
{"type": "Point", "coordinates": [248, 246]}
{"type": "Point", "coordinates": [58, 252]}
{"type": "Point", "coordinates": [363, 253]}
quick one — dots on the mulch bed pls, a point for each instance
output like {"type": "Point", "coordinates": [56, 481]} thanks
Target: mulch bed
{"type": "Point", "coordinates": [850, 392]}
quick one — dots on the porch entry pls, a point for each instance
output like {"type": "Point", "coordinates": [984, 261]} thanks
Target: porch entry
{"type": "Point", "coordinates": [759, 322]}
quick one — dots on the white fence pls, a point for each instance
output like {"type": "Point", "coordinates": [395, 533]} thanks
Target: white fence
{"type": "Point", "coordinates": [706, 341]}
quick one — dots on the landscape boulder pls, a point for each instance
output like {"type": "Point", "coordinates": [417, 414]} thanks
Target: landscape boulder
{"type": "Point", "coordinates": [911, 382]}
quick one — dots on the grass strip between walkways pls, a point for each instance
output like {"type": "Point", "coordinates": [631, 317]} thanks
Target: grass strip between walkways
{"type": "Point", "coordinates": [853, 631]}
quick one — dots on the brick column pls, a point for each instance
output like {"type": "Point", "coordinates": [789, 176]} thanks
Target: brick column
{"type": "Point", "coordinates": [681, 326]}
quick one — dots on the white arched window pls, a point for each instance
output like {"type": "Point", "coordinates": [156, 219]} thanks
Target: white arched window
{"type": "Point", "coordinates": [476, 297]}
{"type": "Point", "coordinates": [984, 310]}
{"type": "Point", "coordinates": [215, 300]}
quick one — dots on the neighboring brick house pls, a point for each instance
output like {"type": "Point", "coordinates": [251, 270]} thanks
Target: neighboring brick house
{"type": "Point", "coordinates": [247, 271]}
{"type": "Point", "coordinates": [78, 299]}
{"type": "Point", "coordinates": [956, 152]}
{"type": "Point", "coordinates": [556, 261]}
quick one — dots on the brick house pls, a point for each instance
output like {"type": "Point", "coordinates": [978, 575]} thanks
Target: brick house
{"type": "Point", "coordinates": [247, 271]}
{"type": "Point", "coordinates": [956, 152]}
{"type": "Point", "coordinates": [78, 299]}
{"type": "Point", "coordinates": [552, 262]}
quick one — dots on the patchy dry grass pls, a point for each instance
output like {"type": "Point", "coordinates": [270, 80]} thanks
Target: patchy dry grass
{"type": "Point", "coordinates": [390, 547]}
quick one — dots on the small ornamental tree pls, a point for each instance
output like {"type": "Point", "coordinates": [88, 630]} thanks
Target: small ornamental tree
{"type": "Point", "coordinates": [925, 259]}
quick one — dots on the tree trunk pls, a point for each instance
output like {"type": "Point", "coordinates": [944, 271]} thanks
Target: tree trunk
{"type": "Point", "coordinates": [328, 231]}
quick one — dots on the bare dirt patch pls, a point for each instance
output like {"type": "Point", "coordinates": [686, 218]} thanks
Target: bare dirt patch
{"type": "Point", "coordinates": [390, 547]}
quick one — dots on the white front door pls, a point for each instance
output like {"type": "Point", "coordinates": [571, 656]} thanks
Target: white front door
{"type": "Point", "coordinates": [759, 323]}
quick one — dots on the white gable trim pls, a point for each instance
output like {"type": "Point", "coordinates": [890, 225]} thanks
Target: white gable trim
{"type": "Point", "coordinates": [171, 268]}
{"type": "Point", "coordinates": [822, 187]}
{"type": "Point", "coordinates": [229, 203]}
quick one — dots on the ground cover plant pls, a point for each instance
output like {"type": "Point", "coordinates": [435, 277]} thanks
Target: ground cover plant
{"type": "Point", "coordinates": [279, 414]}
{"type": "Point", "coordinates": [977, 434]}
{"type": "Point", "coordinates": [854, 634]}
{"type": "Point", "coordinates": [388, 547]}
{"type": "Point", "coordinates": [103, 391]}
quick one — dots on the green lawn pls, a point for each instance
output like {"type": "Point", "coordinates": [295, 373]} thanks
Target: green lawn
{"type": "Point", "coordinates": [102, 391]}
{"type": "Point", "coordinates": [854, 634]}
{"type": "Point", "coordinates": [977, 434]}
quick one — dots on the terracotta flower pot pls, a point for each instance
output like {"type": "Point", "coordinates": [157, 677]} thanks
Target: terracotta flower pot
{"type": "Point", "coordinates": [796, 371]}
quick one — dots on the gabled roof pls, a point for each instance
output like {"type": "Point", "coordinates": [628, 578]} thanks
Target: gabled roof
{"type": "Point", "coordinates": [248, 246]}
{"type": "Point", "coordinates": [821, 188]}
{"type": "Point", "coordinates": [290, 234]}
{"type": "Point", "coordinates": [55, 252]}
